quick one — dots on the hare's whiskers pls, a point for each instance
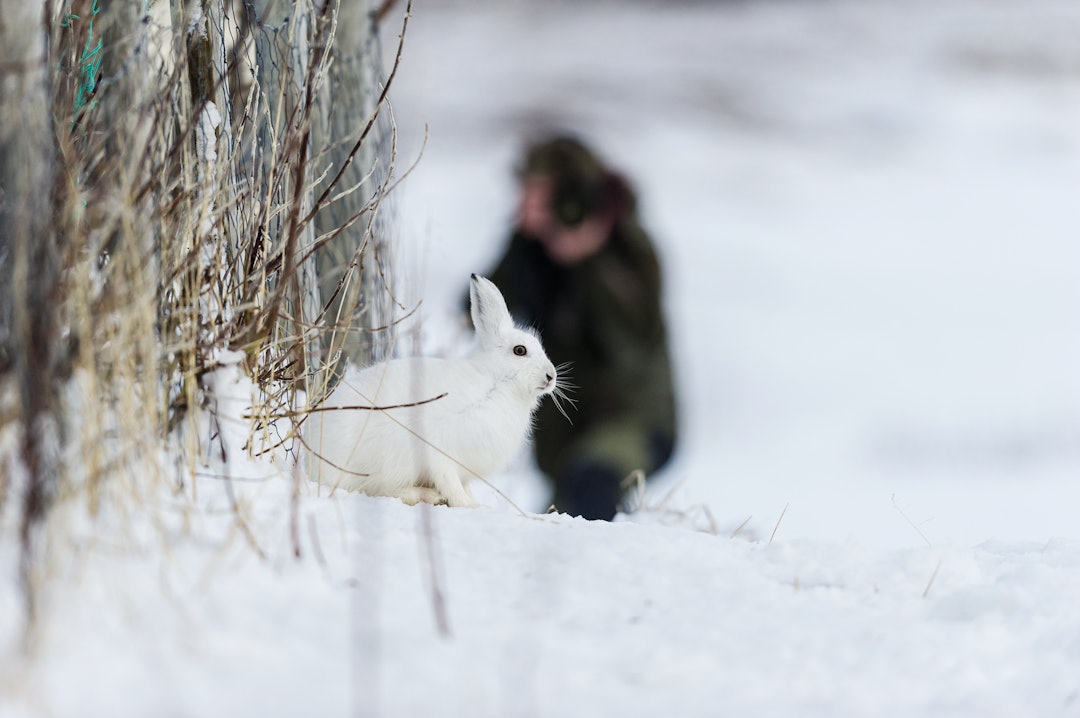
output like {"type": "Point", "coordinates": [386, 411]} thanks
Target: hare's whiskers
{"type": "Point", "coordinates": [563, 388]}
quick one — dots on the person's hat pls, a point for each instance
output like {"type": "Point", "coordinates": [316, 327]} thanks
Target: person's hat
{"type": "Point", "coordinates": [580, 179]}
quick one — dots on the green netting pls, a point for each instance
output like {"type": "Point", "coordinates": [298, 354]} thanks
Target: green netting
{"type": "Point", "coordinates": [89, 58]}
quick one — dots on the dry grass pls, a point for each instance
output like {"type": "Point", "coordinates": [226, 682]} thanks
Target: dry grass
{"type": "Point", "coordinates": [665, 510]}
{"type": "Point", "coordinates": [192, 197]}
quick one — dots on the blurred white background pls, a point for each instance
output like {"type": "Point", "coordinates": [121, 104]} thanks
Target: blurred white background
{"type": "Point", "coordinates": [869, 215]}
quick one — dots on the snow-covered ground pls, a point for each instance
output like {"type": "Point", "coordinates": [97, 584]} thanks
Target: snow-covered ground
{"type": "Point", "coordinates": [869, 214]}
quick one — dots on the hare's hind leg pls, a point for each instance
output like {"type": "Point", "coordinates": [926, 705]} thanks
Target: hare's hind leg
{"type": "Point", "coordinates": [449, 485]}
{"type": "Point", "coordinates": [413, 495]}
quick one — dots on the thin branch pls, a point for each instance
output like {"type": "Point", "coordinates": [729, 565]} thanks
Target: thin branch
{"type": "Point", "coordinates": [315, 409]}
{"type": "Point", "coordinates": [383, 10]}
{"type": "Point", "coordinates": [320, 202]}
{"type": "Point", "coordinates": [740, 527]}
{"type": "Point", "coordinates": [933, 576]}
{"type": "Point", "coordinates": [910, 522]}
{"type": "Point", "coordinates": [777, 527]}
{"type": "Point", "coordinates": [438, 597]}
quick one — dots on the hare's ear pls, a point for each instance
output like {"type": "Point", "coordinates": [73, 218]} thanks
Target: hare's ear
{"type": "Point", "coordinates": [489, 313]}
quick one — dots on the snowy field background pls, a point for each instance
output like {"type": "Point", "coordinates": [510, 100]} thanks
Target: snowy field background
{"type": "Point", "coordinates": [869, 215]}
{"type": "Point", "coordinates": [868, 212]}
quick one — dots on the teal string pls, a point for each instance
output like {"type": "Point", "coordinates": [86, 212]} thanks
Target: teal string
{"type": "Point", "coordinates": [89, 60]}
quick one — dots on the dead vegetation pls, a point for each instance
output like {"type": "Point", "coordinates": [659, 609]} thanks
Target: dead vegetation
{"type": "Point", "coordinates": [195, 184]}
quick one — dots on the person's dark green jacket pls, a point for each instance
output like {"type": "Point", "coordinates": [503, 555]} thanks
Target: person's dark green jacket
{"type": "Point", "coordinates": [604, 316]}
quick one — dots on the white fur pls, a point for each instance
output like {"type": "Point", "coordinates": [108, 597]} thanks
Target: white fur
{"type": "Point", "coordinates": [431, 450]}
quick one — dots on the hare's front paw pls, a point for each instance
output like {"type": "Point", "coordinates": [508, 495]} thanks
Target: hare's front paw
{"type": "Point", "coordinates": [465, 503]}
{"type": "Point", "coordinates": [414, 495]}
{"type": "Point", "coordinates": [457, 494]}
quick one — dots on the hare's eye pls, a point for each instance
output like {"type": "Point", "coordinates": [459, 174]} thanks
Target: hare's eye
{"type": "Point", "coordinates": [520, 350]}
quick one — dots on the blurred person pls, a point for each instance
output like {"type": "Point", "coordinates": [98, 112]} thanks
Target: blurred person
{"type": "Point", "coordinates": [580, 268]}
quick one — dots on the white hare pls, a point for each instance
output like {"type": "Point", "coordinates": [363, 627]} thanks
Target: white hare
{"type": "Point", "coordinates": [437, 423]}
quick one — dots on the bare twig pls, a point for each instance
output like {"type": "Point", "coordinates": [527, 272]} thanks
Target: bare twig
{"type": "Point", "coordinates": [910, 522]}
{"type": "Point", "coordinates": [933, 577]}
{"type": "Point", "coordinates": [777, 527]}
{"type": "Point", "coordinates": [320, 202]}
{"type": "Point", "coordinates": [740, 527]}
{"type": "Point", "coordinates": [383, 10]}
{"type": "Point", "coordinates": [352, 407]}
{"type": "Point", "coordinates": [438, 596]}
